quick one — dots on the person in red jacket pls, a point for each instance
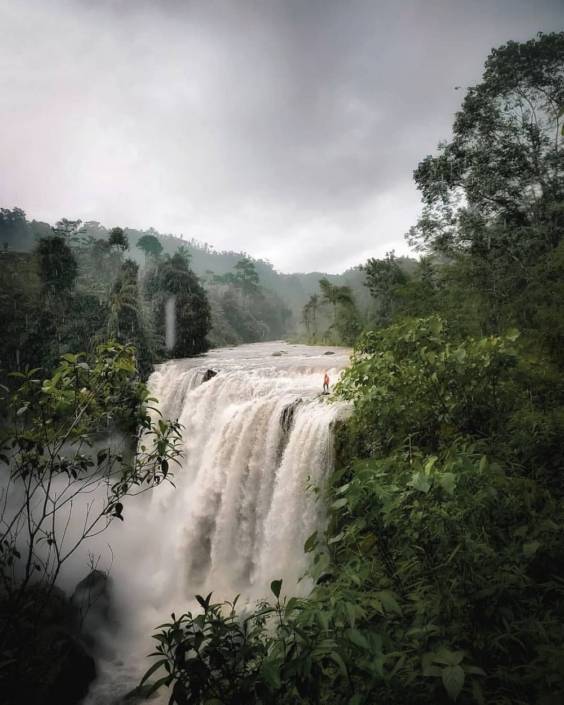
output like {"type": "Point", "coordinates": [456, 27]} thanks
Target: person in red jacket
{"type": "Point", "coordinates": [326, 383]}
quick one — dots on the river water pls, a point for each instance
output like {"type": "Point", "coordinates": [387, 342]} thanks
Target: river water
{"type": "Point", "coordinates": [257, 436]}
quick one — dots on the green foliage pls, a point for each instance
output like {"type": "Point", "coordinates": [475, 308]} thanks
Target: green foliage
{"type": "Point", "coordinates": [383, 277]}
{"type": "Point", "coordinates": [118, 239]}
{"type": "Point", "coordinates": [451, 509]}
{"type": "Point", "coordinates": [64, 482]}
{"type": "Point", "coordinates": [246, 276]}
{"type": "Point", "coordinates": [173, 278]}
{"type": "Point", "coordinates": [345, 321]}
{"type": "Point", "coordinates": [57, 266]}
{"type": "Point", "coordinates": [493, 196]}
{"type": "Point", "coordinates": [440, 576]}
{"type": "Point", "coordinates": [242, 310]}
{"type": "Point", "coordinates": [150, 245]}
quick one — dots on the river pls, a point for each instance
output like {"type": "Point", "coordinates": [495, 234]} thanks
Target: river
{"type": "Point", "coordinates": [257, 436]}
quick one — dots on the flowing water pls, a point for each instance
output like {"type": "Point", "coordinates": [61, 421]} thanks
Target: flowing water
{"type": "Point", "coordinates": [257, 437]}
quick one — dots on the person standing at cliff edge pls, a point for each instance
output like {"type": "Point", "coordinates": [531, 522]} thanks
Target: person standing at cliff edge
{"type": "Point", "coordinates": [326, 383]}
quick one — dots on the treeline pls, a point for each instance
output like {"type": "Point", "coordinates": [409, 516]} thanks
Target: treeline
{"type": "Point", "coordinates": [281, 294]}
{"type": "Point", "coordinates": [73, 292]}
{"type": "Point", "coordinates": [440, 576]}
{"type": "Point", "coordinates": [75, 289]}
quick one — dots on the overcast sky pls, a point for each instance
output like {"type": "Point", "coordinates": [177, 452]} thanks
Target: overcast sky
{"type": "Point", "coordinates": [286, 128]}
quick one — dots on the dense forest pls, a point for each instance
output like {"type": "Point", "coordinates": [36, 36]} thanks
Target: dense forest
{"type": "Point", "coordinates": [273, 309]}
{"type": "Point", "coordinates": [440, 576]}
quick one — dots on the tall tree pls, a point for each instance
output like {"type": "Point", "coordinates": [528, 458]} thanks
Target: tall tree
{"type": "Point", "coordinates": [383, 277]}
{"type": "Point", "coordinates": [246, 276]}
{"type": "Point", "coordinates": [310, 313]}
{"type": "Point", "coordinates": [494, 193]}
{"type": "Point", "coordinates": [15, 233]}
{"type": "Point", "coordinates": [150, 246]}
{"type": "Point", "coordinates": [173, 279]}
{"type": "Point", "coordinates": [57, 265]}
{"type": "Point", "coordinates": [118, 239]}
{"type": "Point", "coordinates": [335, 295]}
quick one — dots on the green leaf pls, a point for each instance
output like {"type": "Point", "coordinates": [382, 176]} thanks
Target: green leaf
{"type": "Point", "coordinates": [453, 680]}
{"type": "Point", "coordinates": [448, 657]}
{"type": "Point", "coordinates": [420, 482]}
{"type": "Point", "coordinates": [530, 548]}
{"type": "Point", "coordinates": [336, 539]}
{"type": "Point", "coordinates": [165, 680]}
{"type": "Point", "coordinates": [460, 354]}
{"type": "Point", "coordinates": [275, 587]}
{"type": "Point", "coordinates": [154, 667]}
{"type": "Point", "coordinates": [337, 504]}
{"type": "Point", "coordinates": [447, 480]}
{"type": "Point", "coordinates": [270, 672]}
{"type": "Point", "coordinates": [357, 638]}
{"type": "Point", "coordinates": [311, 543]}
{"type": "Point", "coordinates": [474, 670]}
{"type": "Point", "coordinates": [336, 658]}
{"type": "Point", "coordinates": [388, 601]}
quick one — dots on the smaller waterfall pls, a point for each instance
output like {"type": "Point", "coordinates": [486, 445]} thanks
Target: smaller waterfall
{"type": "Point", "coordinates": [170, 323]}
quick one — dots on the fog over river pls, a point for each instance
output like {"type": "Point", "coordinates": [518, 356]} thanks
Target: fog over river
{"type": "Point", "coordinates": [256, 435]}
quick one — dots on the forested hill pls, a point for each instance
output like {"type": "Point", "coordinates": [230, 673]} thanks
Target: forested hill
{"type": "Point", "coordinates": [19, 234]}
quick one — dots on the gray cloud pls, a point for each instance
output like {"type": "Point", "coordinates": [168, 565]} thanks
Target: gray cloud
{"type": "Point", "coordinates": [286, 128]}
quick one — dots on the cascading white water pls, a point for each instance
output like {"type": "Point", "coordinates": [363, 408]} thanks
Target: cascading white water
{"type": "Point", "coordinates": [257, 437]}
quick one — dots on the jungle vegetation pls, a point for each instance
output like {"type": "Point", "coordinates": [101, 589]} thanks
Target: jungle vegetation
{"type": "Point", "coordinates": [440, 576]}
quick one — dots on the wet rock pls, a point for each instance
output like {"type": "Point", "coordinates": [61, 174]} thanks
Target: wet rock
{"type": "Point", "coordinates": [286, 421]}
{"type": "Point", "coordinates": [287, 416]}
{"type": "Point", "coordinates": [329, 352]}
{"type": "Point", "coordinates": [91, 597]}
{"type": "Point", "coordinates": [208, 374]}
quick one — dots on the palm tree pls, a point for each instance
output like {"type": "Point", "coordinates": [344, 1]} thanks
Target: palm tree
{"type": "Point", "coordinates": [310, 313]}
{"type": "Point", "coordinates": [335, 295]}
{"type": "Point", "coordinates": [122, 298]}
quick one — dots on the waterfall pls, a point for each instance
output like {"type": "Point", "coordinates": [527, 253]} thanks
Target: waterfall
{"type": "Point", "coordinates": [257, 437]}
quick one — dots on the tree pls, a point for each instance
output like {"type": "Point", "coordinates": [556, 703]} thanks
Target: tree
{"type": "Point", "coordinates": [123, 301]}
{"type": "Point", "coordinates": [57, 266]}
{"type": "Point", "coordinates": [310, 312]}
{"type": "Point", "coordinates": [118, 239]}
{"type": "Point", "coordinates": [335, 295]}
{"type": "Point", "coordinates": [184, 252]}
{"type": "Point", "coordinates": [494, 193]}
{"type": "Point", "coordinates": [66, 483]}
{"type": "Point", "coordinates": [383, 277]}
{"type": "Point", "coordinates": [69, 230]}
{"type": "Point", "coordinates": [15, 233]}
{"type": "Point", "coordinates": [246, 276]}
{"type": "Point", "coordinates": [173, 280]}
{"type": "Point", "coordinates": [150, 245]}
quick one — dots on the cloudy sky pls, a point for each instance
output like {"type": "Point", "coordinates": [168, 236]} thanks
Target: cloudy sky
{"type": "Point", "coordinates": [286, 128]}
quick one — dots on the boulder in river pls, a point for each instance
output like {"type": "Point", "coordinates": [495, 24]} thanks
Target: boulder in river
{"type": "Point", "coordinates": [91, 597]}
{"type": "Point", "coordinates": [208, 374]}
